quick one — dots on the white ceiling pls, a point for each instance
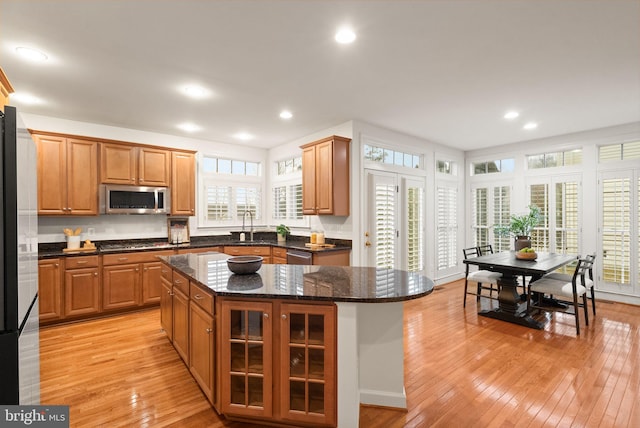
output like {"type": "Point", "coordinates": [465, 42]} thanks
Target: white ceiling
{"type": "Point", "coordinates": [445, 71]}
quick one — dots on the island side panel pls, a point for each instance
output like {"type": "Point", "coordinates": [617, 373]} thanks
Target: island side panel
{"type": "Point", "coordinates": [348, 383]}
{"type": "Point", "coordinates": [381, 354]}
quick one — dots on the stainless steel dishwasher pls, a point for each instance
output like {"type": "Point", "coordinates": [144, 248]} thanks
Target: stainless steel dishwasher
{"type": "Point", "coordinates": [295, 257]}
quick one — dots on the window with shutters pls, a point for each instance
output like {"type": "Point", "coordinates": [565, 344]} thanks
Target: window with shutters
{"type": "Point", "coordinates": [287, 193]}
{"type": "Point", "coordinates": [616, 230]}
{"type": "Point", "coordinates": [231, 187]}
{"type": "Point", "coordinates": [491, 205]}
{"type": "Point", "coordinates": [385, 224]}
{"type": "Point", "coordinates": [415, 227]}
{"type": "Point", "coordinates": [559, 201]}
{"type": "Point", "coordinates": [447, 226]}
{"type": "Point", "coordinates": [617, 152]}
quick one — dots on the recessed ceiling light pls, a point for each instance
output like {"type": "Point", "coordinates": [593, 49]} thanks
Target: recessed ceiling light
{"type": "Point", "coordinates": [189, 127]}
{"type": "Point", "coordinates": [530, 125]}
{"type": "Point", "coordinates": [25, 98]}
{"type": "Point", "coordinates": [31, 54]}
{"type": "Point", "coordinates": [286, 114]}
{"type": "Point", "coordinates": [511, 115]}
{"type": "Point", "coordinates": [244, 136]}
{"type": "Point", "coordinates": [345, 36]}
{"type": "Point", "coordinates": [195, 91]}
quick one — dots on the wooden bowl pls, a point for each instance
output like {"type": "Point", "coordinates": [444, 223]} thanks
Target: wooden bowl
{"type": "Point", "coordinates": [526, 256]}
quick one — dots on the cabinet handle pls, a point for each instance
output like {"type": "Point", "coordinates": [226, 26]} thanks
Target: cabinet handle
{"type": "Point", "coordinates": [170, 293]}
{"type": "Point", "coordinates": [95, 274]}
{"type": "Point", "coordinates": [56, 265]}
{"type": "Point", "coordinates": [209, 330]}
{"type": "Point", "coordinates": [197, 297]}
{"type": "Point", "coordinates": [146, 269]}
{"type": "Point", "coordinates": [137, 269]}
{"type": "Point", "coordinates": [177, 281]}
{"type": "Point", "coordinates": [266, 315]}
{"type": "Point", "coordinates": [123, 259]}
{"type": "Point", "coordinates": [164, 271]}
{"type": "Point", "coordinates": [81, 262]}
{"type": "Point", "coordinates": [284, 316]}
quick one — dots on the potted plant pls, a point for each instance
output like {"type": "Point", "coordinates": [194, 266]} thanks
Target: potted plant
{"type": "Point", "coordinates": [282, 232]}
{"type": "Point", "coordinates": [521, 226]}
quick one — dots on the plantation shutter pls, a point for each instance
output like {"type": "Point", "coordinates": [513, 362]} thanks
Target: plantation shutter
{"type": "Point", "coordinates": [385, 220]}
{"type": "Point", "coordinates": [218, 202]}
{"type": "Point", "coordinates": [447, 226]}
{"type": "Point", "coordinates": [616, 230]}
{"type": "Point", "coordinates": [415, 215]}
{"type": "Point", "coordinates": [501, 215]}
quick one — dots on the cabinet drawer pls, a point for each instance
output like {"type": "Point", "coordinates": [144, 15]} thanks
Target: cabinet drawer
{"type": "Point", "coordinates": [81, 262]}
{"type": "Point", "coordinates": [198, 250]}
{"type": "Point", "coordinates": [181, 282]}
{"type": "Point", "coordinates": [141, 257]}
{"type": "Point", "coordinates": [279, 252]}
{"type": "Point", "coordinates": [262, 250]}
{"type": "Point", "coordinates": [166, 272]}
{"type": "Point", "coordinates": [202, 298]}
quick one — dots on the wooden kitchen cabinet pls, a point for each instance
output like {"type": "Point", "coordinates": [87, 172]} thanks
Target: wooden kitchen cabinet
{"type": "Point", "coordinates": [181, 323]}
{"type": "Point", "coordinates": [297, 342]}
{"type": "Point", "coordinates": [5, 90]}
{"type": "Point", "coordinates": [278, 255]}
{"type": "Point", "coordinates": [67, 175]}
{"type": "Point", "coordinates": [130, 280]}
{"type": "Point", "coordinates": [50, 290]}
{"type": "Point", "coordinates": [249, 250]}
{"type": "Point", "coordinates": [199, 250]}
{"type": "Point", "coordinates": [202, 340]}
{"type": "Point", "coordinates": [134, 165]}
{"type": "Point", "coordinates": [166, 306]}
{"type": "Point", "coordinates": [81, 286]}
{"type": "Point", "coordinates": [183, 183]}
{"type": "Point", "coordinates": [246, 358]}
{"type": "Point", "coordinates": [308, 363]}
{"type": "Point", "coordinates": [325, 177]}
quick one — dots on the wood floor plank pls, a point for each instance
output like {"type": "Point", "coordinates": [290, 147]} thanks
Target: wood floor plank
{"type": "Point", "coordinates": [461, 369]}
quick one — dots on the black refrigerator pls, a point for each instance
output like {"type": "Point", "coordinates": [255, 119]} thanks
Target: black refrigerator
{"type": "Point", "coordinates": [19, 331]}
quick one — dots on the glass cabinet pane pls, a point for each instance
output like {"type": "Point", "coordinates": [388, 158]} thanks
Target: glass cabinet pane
{"type": "Point", "coordinates": [255, 358]}
{"type": "Point", "coordinates": [255, 325]}
{"type": "Point", "coordinates": [255, 391]}
{"type": "Point", "coordinates": [296, 396]}
{"type": "Point", "coordinates": [297, 362]}
{"type": "Point", "coordinates": [316, 329]}
{"type": "Point", "coordinates": [316, 364]}
{"type": "Point", "coordinates": [297, 328]}
{"type": "Point", "coordinates": [237, 390]}
{"type": "Point", "coordinates": [316, 398]}
{"type": "Point", "coordinates": [237, 357]}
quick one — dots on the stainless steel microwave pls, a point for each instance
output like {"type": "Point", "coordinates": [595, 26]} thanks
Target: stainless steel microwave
{"type": "Point", "coordinates": [121, 199]}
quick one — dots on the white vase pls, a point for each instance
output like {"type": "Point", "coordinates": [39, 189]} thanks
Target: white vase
{"type": "Point", "coordinates": [282, 239]}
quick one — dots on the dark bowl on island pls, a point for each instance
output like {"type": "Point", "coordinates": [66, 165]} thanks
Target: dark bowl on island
{"type": "Point", "coordinates": [244, 265]}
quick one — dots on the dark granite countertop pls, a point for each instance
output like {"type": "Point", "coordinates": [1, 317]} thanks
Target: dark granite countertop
{"type": "Point", "coordinates": [52, 250]}
{"type": "Point", "coordinates": [328, 283]}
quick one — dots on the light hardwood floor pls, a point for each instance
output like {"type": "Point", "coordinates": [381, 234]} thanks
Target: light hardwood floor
{"type": "Point", "coordinates": [462, 370]}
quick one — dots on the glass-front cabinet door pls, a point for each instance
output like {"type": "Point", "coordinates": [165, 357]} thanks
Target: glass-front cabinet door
{"type": "Point", "coordinates": [246, 358]}
{"type": "Point", "coordinates": [308, 356]}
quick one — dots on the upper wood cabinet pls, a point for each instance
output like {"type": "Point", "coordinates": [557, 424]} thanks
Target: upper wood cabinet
{"type": "Point", "coordinates": [183, 183]}
{"type": "Point", "coordinates": [134, 165]}
{"type": "Point", "coordinates": [5, 90]}
{"type": "Point", "coordinates": [325, 177]}
{"type": "Point", "coordinates": [67, 175]}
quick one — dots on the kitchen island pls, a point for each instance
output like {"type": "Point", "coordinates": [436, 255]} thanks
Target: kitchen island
{"type": "Point", "coordinates": [291, 344]}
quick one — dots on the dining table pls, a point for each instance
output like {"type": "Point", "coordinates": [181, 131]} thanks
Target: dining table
{"type": "Point", "coordinates": [512, 306]}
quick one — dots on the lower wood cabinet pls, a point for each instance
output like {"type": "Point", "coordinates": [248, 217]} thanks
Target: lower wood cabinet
{"type": "Point", "coordinates": [166, 305]}
{"type": "Point", "coordinates": [181, 323]}
{"type": "Point", "coordinates": [130, 280]}
{"type": "Point", "coordinates": [202, 345]}
{"type": "Point", "coordinates": [81, 286]}
{"type": "Point", "coordinates": [259, 340]}
{"type": "Point", "coordinates": [50, 290]}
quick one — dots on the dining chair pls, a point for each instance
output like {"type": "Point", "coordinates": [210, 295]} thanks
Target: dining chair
{"type": "Point", "coordinates": [479, 276]}
{"type": "Point", "coordinates": [562, 290]}
{"type": "Point", "coordinates": [588, 280]}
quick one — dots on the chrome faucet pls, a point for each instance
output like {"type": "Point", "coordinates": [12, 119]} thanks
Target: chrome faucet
{"type": "Point", "coordinates": [251, 220]}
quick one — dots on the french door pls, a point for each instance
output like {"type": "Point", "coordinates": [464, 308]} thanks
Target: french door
{"type": "Point", "coordinates": [618, 231]}
{"type": "Point", "coordinates": [395, 221]}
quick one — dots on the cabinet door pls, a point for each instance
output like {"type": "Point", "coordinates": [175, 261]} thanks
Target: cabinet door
{"type": "Point", "coordinates": [82, 177]}
{"type": "Point", "coordinates": [181, 324]}
{"type": "Point", "coordinates": [49, 290]}
{"type": "Point", "coordinates": [166, 308]}
{"type": "Point", "coordinates": [81, 292]}
{"type": "Point", "coordinates": [201, 349]}
{"type": "Point", "coordinates": [183, 184]}
{"type": "Point", "coordinates": [153, 167]}
{"type": "Point", "coordinates": [52, 175]}
{"type": "Point", "coordinates": [151, 273]}
{"type": "Point", "coordinates": [324, 178]}
{"type": "Point", "coordinates": [308, 371]}
{"type": "Point", "coordinates": [120, 286]}
{"type": "Point", "coordinates": [309, 180]}
{"type": "Point", "coordinates": [118, 164]}
{"type": "Point", "coordinates": [246, 358]}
